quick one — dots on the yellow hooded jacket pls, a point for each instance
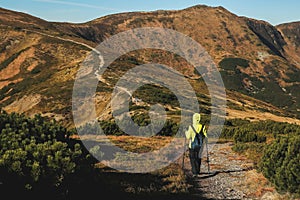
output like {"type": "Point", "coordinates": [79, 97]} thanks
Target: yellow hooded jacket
{"type": "Point", "coordinates": [190, 133]}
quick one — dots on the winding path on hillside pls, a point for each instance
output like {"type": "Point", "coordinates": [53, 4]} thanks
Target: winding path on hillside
{"type": "Point", "coordinates": [64, 39]}
{"type": "Point", "coordinates": [101, 59]}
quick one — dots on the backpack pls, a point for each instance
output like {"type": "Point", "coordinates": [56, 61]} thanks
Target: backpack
{"type": "Point", "coordinates": [197, 142]}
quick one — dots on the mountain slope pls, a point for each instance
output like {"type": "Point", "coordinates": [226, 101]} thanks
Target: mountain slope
{"type": "Point", "coordinates": [291, 33]}
{"type": "Point", "coordinates": [39, 60]}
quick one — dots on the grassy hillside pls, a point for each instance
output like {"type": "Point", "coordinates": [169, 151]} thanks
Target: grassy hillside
{"type": "Point", "coordinates": [39, 61]}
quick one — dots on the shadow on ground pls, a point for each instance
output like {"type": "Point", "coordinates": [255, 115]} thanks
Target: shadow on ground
{"type": "Point", "coordinates": [106, 185]}
{"type": "Point", "coordinates": [214, 173]}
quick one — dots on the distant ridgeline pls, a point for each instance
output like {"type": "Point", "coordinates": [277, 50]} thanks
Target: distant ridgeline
{"type": "Point", "coordinates": [258, 62]}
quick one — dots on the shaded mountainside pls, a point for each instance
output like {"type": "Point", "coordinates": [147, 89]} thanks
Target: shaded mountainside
{"type": "Point", "coordinates": [269, 35]}
{"type": "Point", "coordinates": [291, 33]}
{"type": "Point", "coordinates": [259, 63]}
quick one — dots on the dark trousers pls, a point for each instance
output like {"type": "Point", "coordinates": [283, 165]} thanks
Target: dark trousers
{"type": "Point", "coordinates": [195, 158]}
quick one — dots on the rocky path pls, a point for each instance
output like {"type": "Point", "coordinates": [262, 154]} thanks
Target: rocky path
{"type": "Point", "coordinates": [231, 176]}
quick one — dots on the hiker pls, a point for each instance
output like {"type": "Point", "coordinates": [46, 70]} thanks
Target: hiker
{"type": "Point", "coordinates": [196, 134]}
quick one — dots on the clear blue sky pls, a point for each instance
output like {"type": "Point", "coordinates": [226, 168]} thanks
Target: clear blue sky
{"type": "Point", "coordinates": [273, 11]}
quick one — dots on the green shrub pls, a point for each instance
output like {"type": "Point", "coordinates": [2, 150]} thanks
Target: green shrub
{"type": "Point", "coordinates": [281, 164]}
{"type": "Point", "coordinates": [243, 147]}
{"type": "Point", "coordinates": [170, 128]}
{"type": "Point", "coordinates": [245, 135]}
{"type": "Point", "coordinates": [153, 94]}
{"type": "Point", "coordinates": [38, 155]}
{"type": "Point", "coordinates": [252, 150]}
{"type": "Point", "coordinates": [233, 63]}
{"type": "Point", "coordinates": [36, 70]}
{"type": "Point", "coordinates": [233, 80]}
{"type": "Point", "coordinates": [293, 76]}
{"type": "Point", "coordinates": [227, 133]}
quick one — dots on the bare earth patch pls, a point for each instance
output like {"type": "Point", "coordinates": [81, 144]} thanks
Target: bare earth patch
{"type": "Point", "coordinates": [14, 67]}
{"type": "Point", "coordinates": [32, 66]}
{"type": "Point", "coordinates": [24, 104]}
{"type": "Point", "coordinates": [5, 83]}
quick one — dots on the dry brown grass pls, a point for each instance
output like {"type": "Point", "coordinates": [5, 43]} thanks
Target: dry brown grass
{"type": "Point", "coordinates": [253, 115]}
{"type": "Point", "coordinates": [24, 104]}
{"type": "Point", "coordinates": [237, 158]}
{"type": "Point", "coordinates": [140, 144]}
{"type": "Point", "coordinates": [258, 187]}
{"type": "Point", "coordinates": [216, 166]}
{"type": "Point", "coordinates": [5, 83]}
{"type": "Point", "coordinates": [130, 143]}
{"type": "Point", "coordinates": [168, 180]}
{"type": "Point", "coordinates": [13, 68]}
{"type": "Point", "coordinates": [230, 37]}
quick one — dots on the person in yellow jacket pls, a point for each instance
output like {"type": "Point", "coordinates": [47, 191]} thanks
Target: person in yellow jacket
{"type": "Point", "coordinates": [195, 143]}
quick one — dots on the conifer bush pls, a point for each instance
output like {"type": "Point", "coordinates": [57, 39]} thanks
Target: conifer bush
{"type": "Point", "coordinates": [281, 163]}
{"type": "Point", "coordinates": [39, 155]}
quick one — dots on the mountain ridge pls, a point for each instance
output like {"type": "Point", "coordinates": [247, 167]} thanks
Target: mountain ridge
{"type": "Point", "coordinates": [255, 58]}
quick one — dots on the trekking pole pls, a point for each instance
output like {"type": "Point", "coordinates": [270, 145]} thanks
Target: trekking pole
{"type": "Point", "coordinates": [184, 149]}
{"type": "Point", "coordinates": [208, 167]}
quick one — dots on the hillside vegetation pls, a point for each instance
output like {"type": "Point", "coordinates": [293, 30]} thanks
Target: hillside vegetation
{"type": "Point", "coordinates": [41, 158]}
{"type": "Point", "coordinates": [39, 61]}
{"type": "Point", "coordinates": [38, 156]}
{"type": "Point", "coordinates": [274, 148]}
{"type": "Point", "coordinates": [41, 152]}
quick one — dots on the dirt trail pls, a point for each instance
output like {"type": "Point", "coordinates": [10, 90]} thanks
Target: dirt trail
{"type": "Point", "coordinates": [64, 39]}
{"type": "Point", "coordinates": [232, 177]}
{"type": "Point", "coordinates": [101, 59]}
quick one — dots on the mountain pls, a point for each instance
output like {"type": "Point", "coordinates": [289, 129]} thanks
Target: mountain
{"type": "Point", "coordinates": [259, 63]}
{"type": "Point", "coordinates": [291, 33]}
